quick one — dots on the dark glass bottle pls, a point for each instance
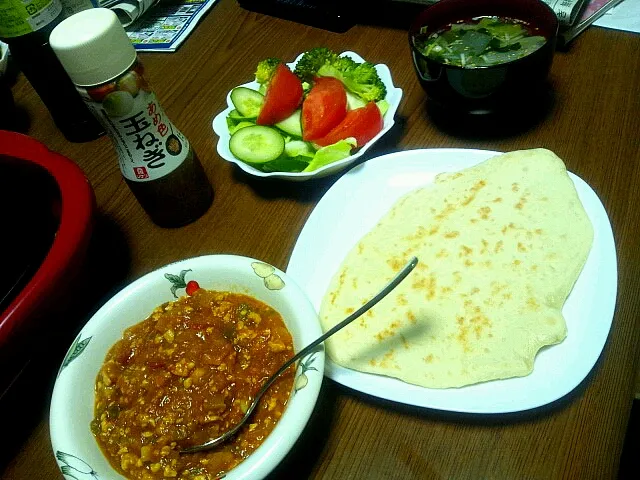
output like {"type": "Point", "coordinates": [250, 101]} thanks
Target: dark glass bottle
{"type": "Point", "coordinates": [26, 30]}
{"type": "Point", "coordinates": [178, 198]}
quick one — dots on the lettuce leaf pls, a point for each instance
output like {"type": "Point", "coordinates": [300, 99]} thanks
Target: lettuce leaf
{"type": "Point", "coordinates": [331, 154]}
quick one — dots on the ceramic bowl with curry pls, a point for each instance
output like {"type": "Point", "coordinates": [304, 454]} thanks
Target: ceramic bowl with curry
{"type": "Point", "coordinates": [173, 360]}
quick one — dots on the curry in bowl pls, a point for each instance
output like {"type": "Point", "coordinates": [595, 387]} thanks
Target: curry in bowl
{"type": "Point", "coordinates": [185, 375]}
{"type": "Point", "coordinates": [173, 360]}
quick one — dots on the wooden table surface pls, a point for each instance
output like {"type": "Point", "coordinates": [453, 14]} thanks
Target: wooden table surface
{"type": "Point", "coordinates": [593, 123]}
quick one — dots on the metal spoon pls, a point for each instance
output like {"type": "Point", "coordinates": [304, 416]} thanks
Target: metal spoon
{"type": "Point", "coordinates": [383, 293]}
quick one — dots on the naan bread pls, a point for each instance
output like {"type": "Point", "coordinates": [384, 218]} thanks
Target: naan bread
{"type": "Point", "coordinates": [500, 246]}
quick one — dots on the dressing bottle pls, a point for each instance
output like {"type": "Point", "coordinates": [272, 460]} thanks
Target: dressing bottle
{"type": "Point", "coordinates": [156, 159]}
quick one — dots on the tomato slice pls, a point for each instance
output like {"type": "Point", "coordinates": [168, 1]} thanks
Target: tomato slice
{"type": "Point", "coordinates": [324, 107]}
{"type": "Point", "coordinates": [283, 97]}
{"type": "Point", "coordinates": [362, 123]}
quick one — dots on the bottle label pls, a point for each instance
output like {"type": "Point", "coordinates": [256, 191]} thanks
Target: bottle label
{"type": "Point", "coordinates": [149, 146]}
{"type": "Point", "coordinates": [20, 17]}
{"type": "Point", "coordinates": [71, 7]}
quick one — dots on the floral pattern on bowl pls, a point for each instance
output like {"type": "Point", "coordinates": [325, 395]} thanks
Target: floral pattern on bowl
{"type": "Point", "coordinates": [74, 467]}
{"type": "Point", "coordinates": [219, 124]}
{"type": "Point", "coordinates": [77, 452]}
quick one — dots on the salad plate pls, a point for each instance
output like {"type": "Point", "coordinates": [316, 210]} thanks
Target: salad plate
{"type": "Point", "coordinates": [219, 125]}
{"type": "Point", "coordinates": [355, 204]}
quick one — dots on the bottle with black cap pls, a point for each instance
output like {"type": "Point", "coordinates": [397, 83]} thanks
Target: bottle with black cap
{"type": "Point", "coordinates": [25, 27]}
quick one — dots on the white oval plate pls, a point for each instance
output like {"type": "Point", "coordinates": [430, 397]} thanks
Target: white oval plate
{"type": "Point", "coordinates": [354, 205]}
{"type": "Point", "coordinates": [394, 95]}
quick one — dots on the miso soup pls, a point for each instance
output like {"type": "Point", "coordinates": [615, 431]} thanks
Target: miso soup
{"type": "Point", "coordinates": [480, 42]}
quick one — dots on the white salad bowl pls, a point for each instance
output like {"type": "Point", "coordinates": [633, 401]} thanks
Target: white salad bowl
{"type": "Point", "coordinates": [72, 404]}
{"type": "Point", "coordinates": [394, 95]}
{"type": "Point", "coordinates": [4, 57]}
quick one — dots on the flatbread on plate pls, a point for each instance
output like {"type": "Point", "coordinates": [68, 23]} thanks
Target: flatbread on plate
{"type": "Point", "coordinates": [500, 246]}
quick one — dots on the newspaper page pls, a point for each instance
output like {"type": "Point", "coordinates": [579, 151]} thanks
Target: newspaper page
{"type": "Point", "coordinates": [167, 25]}
{"type": "Point", "coordinates": [624, 16]}
{"type": "Point", "coordinates": [128, 11]}
{"type": "Point", "coordinates": [566, 10]}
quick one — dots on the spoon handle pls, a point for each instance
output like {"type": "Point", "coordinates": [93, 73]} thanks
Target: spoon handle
{"type": "Point", "coordinates": [306, 350]}
{"type": "Point", "coordinates": [400, 276]}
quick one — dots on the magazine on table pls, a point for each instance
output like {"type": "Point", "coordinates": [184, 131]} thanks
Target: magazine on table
{"type": "Point", "coordinates": [158, 25]}
{"type": "Point", "coordinates": [590, 11]}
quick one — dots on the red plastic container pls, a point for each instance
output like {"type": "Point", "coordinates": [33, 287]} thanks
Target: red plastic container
{"type": "Point", "coordinates": [48, 208]}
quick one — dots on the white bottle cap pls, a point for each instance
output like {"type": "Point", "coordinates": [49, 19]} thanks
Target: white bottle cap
{"type": "Point", "coordinates": [92, 46]}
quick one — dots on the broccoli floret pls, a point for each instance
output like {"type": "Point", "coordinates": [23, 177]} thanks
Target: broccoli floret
{"type": "Point", "coordinates": [308, 65]}
{"type": "Point", "coordinates": [266, 69]}
{"type": "Point", "coordinates": [359, 78]}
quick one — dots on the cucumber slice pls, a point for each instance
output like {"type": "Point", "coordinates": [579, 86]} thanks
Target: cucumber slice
{"type": "Point", "coordinates": [257, 144]}
{"type": "Point", "coordinates": [247, 102]}
{"type": "Point", "coordinates": [292, 125]}
{"type": "Point", "coordinates": [235, 115]}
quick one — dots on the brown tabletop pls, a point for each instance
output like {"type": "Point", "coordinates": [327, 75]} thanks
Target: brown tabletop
{"type": "Point", "coordinates": [592, 123]}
